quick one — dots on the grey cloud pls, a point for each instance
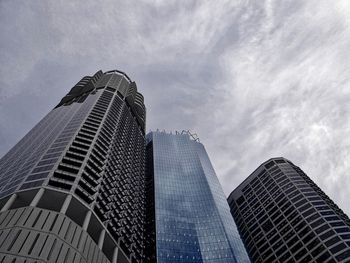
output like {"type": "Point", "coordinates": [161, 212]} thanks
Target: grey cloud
{"type": "Point", "coordinates": [289, 87]}
{"type": "Point", "coordinates": [255, 79]}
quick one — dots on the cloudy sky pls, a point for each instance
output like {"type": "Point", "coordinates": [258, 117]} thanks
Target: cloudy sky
{"type": "Point", "coordinates": [254, 79]}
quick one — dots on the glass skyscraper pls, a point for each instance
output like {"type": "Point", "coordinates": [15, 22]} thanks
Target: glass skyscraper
{"type": "Point", "coordinates": [283, 216]}
{"type": "Point", "coordinates": [73, 189]}
{"type": "Point", "coordinates": [191, 220]}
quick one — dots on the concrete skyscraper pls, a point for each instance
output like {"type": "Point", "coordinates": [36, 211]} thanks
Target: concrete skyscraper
{"type": "Point", "coordinates": [72, 190]}
{"type": "Point", "coordinates": [283, 216]}
{"type": "Point", "coordinates": [191, 219]}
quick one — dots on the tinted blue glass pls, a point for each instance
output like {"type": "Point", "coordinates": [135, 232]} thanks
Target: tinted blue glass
{"type": "Point", "coordinates": [193, 222]}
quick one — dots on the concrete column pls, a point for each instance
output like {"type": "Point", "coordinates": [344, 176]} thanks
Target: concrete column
{"type": "Point", "coordinates": [115, 255]}
{"type": "Point", "coordinates": [37, 197]}
{"type": "Point", "coordinates": [66, 204]}
{"type": "Point", "coordinates": [9, 203]}
{"type": "Point", "coordinates": [101, 239]}
{"type": "Point", "coordinates": [87, 220]}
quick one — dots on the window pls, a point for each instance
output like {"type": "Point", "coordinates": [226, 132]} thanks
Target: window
{"type": "Point", "coordinates": [317, 223]}
{"type": "Point", "coordinates": [308, 238]}
{"type": "Point", "coordinates": [332, 241]}
{"type": "Point", "coordinates": [274, 239]}
{"type": "Point", "coordinates": [304, 207]}
{"type": "Point", "coordinates": [42, 168]}
{"type": "Point", "coordinates": [313, 244]}
{"type": "Point", "coordinates": [289, 235]}
{"type": "Point", "coordinates": [323, 257]}
{"type": "Point", "coordinates": [342, 230]}
{"type": "Point", "coordinates": [300, 254]}
{"type": "Point", "coordinates": [269, 165]}
{"type": "Point", "coordinates": [280, 251]}
{"type": "Point", "coordinates": [322, 229]}
{"type": "Point", "coordinates": [318, 250]}
{"type": "Point", "coordinates": [312, 218]}
{"type": "Point", "coordinates": [344, 255]}
{"type": "Point", "coordinates": [332, 218]}
{"type": "Point", "coordinates": [267, 226]}
{"type": "Point", "coordinates": [326, 213]}
{"type": "Point", "coordinates": [327, 234]}
{"type": "Point", "coordinates": [301, 202]}
{"type": "Point", "coordinates": [284, 257]}
{"type": "Point", "coordinates": [303, 232]}
{"type": "Point", "coordinates": [277, 245]}
{"type": "Point", "coordinates": [337, 223]}
{"type": "Point", "coordinates": [337, 248]}
{"type": "Point", "coordinates": [296, 198]}
{"type": "Point", "coordinates": [296, 247]}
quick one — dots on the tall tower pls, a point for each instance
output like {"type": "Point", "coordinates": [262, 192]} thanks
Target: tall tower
{"type": "Point", "coordinates": [72, 190]}
{"type": "Point", "coordinates": [282, 216]}
{"type": "Point", "coordinates": [191, 219]}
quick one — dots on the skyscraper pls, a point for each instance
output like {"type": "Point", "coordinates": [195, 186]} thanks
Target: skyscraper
{"type": "Point", "coordinates": [72, 190]}
{"type": "Point", "coordinates": [191, 219]}
{"type": "Point", "coordinates": [283, 216]}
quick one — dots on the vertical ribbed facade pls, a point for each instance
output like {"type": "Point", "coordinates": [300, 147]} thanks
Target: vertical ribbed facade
{"type": "Point", "coordinates": [75, 184]}
{"type": "Point", "coordinates": [283, 216]}
{"type": "Point", "coordinates": [191, 219]}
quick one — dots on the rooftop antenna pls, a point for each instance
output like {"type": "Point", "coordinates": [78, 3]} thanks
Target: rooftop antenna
{"type": "Point", "coordinates": [193, 136]}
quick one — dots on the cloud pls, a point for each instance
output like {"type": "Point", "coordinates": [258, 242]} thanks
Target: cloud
{"type": "Point", "coordinates": [255, 79]}
{"type": "Point", "coordinates": [286, 95]}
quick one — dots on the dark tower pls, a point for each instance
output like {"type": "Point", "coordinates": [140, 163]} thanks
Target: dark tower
{"type": "Point", "coordinates": [283, 216]}
{"type": "Point", "coordinates": [191, 219]}
{"type": "Point", "coordinates": [72, 189]}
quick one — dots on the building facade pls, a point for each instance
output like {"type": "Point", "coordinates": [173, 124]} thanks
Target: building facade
{"type": "Point", "coordinates": [72, 190]}
{"type": "Point", "coordinates": [283, 216]}
{"type": "Point", "coordinates": [191, 220]}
